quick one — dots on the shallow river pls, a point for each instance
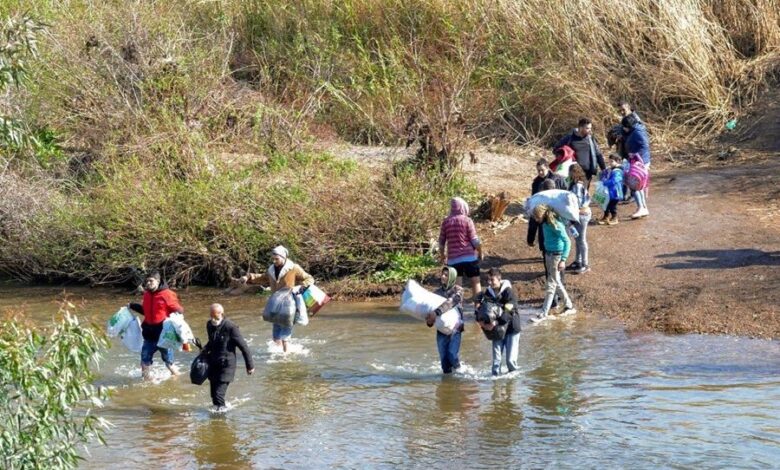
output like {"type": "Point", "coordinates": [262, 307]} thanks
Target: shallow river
{"type": "Point", "coordinates": [362, 389]}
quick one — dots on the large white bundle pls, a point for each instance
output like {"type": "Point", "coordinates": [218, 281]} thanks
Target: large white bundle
{"type": "Point", "coordinates": [418, 302]}
{"type": "Point", "coordinates": [448, 321]}
{"type": "Point", "coordinates": [564, 203]}
{"type": "Point", "coordinates": [119, 321]}
{"type": "Point", "coordinates": [132, 337]}
{"type": "Point", "coordinates": [183, 330]}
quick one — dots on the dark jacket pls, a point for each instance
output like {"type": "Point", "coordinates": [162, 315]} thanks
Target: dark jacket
{"type": "Point", "coordinates": [638, 141]}
{"type": "Point", "coordinates": [534, 229]}
{"type": "Point", "coordinates": [590, 162]}
{"type": "Point", "coordinates": [506, 295]}
{"type": "Point", "coordinates": [221, 350]}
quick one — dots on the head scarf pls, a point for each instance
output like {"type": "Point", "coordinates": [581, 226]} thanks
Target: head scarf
{"type": "Point", "coordinates": [452, 276]}
{"type": "Point", "coordinates": [458, 207]}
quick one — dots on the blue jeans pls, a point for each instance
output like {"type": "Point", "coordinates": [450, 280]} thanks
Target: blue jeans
{"type": "Point", "coordinates": [509, 345]}
{"type": "Point", "coordinates": [449, 348]}
{"type": "Point", "coordinates": [148, 350]}
{"type": "Point", "coordinates": [282, 333]}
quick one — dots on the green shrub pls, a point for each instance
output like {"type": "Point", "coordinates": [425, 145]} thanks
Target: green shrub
{"type": "Point", "coordinates": [46, 395]}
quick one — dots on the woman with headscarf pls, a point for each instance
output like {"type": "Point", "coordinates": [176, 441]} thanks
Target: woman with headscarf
{"type": "Point", "coordinates": [448, 345]}
{"type": "Point", "coordinates": [463, 247]}
{"type": "Point", "coordinates": [282, 273]}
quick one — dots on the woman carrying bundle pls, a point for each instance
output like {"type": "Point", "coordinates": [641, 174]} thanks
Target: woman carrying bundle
{"type": "Point", "coordinates": [557, 247]}
{"type": "Point", "coordinates": [282, 273]}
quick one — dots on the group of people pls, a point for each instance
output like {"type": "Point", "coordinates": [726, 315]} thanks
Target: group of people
{"type": "Point", "coordinates": [460, 251]}
{"type": "Point", "coordinates": [224, 336]}
{"type": "Point", "coordinates": [578, 159]}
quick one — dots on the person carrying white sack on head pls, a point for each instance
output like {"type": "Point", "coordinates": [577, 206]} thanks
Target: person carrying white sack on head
{"type": "Point", "coordinates": [448, 345]}
{"type": "Point", "coordinates": [282, 273]}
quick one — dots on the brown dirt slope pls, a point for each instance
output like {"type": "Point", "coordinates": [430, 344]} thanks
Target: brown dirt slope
{"type": "Point", "coordinates": [706, 260]}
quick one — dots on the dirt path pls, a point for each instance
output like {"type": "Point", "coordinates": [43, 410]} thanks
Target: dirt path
{"type": "Point", "coordinates": [706, 260]}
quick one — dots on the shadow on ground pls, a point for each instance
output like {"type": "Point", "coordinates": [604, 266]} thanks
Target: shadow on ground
{"type": "Point", "coordinates": [720, 259]}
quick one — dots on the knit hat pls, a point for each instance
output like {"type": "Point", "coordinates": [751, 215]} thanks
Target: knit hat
{"type": "Point", "coordinates": [629, 121]}
{"type": "Point", "coordinates": [280, 251]}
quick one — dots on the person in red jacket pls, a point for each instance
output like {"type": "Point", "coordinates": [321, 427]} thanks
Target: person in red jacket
{"type": "Point", "coordinates": [159, 302]}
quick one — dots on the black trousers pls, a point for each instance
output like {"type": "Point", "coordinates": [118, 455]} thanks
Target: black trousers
{"type": "Point", "coordinates": [218, 391]}
{"type": "Point", "coordinates": [612, 207]}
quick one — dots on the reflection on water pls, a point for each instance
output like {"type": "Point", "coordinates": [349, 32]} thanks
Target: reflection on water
{"type": "Point", "coordinates": [364, 390]}
{"type": "Point", "coordinates": [215, 440]}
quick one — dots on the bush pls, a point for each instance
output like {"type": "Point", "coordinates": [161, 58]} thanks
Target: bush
{"type": "Point", "coordinates": [46, 395]}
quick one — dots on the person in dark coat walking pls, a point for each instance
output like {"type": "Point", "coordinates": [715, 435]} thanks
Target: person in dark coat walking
{"type": "Point", "coordinates": [224, 336]}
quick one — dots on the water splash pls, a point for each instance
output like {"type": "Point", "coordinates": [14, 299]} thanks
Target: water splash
{"type": "Point", "coordinates": [295, 350]}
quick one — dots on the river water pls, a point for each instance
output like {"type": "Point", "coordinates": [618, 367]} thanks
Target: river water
{"type": "Point", "coordinates": [362, 388]}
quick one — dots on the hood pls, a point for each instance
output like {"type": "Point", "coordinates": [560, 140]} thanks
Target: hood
{"type": "Point", "coordinates": [458, 207]}
{"type": "Point", "coordinates": [505, 284]}
{"type": "Point", "coordinates": [566, 155]}
{"type": "Point", "coordinates": [452, 276]}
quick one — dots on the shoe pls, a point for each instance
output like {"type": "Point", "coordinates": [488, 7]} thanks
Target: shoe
{"type": "Point", "coordinates": [582, 270]}
{"type": "Point", "coordinates": [569, 311]}
{"type": "Point", "coordinates": [573, 267]}
{"type": "Point", "coordinates": [604, 220]}
{"type": "Point", "coordinates": [613, 221]}
{"type": "Point", "coordinates": [643, 212]}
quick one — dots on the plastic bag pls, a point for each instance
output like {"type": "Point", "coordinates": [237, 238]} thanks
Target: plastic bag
{"type": "Point", "coordinates": [183, 330]}
{"type": "Point", "coordinates": [418, 301]}
{"type": "Point", "coordinates": [280, 308]}
{"type": "Point", "coordinates": [301, 312]}
{"type": "Point", "coordinates": [132, 337]}
{"type": "Point", "coordinates": [489, 312]}
{"type": "Point", "coordinates": [448, 321]}
{"type": "Point", "coordinates": [601, 195]}
{"type": "Point", "coordinates": [199, 370]}
{"type": "Point", "coordinates": [168, 338]}
{"type": "Point", "coordinates": [564, 203]}
{"type": "Point", "coordinates": [315, 299]}
{"type": "Point", "coordinates": [119, 321]}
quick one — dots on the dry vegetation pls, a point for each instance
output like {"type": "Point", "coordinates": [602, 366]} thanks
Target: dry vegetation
{"type": "Point", "coordinates": [178, 134]}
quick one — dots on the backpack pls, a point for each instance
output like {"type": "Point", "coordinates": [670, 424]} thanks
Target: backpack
{"type": "Point", "coordinates": [637, 176]}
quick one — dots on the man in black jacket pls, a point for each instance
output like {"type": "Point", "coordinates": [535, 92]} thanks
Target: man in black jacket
{"type": "Point", "coordinates": [224, 336]}
{"type": "Point", "coordinates": [586, 149]}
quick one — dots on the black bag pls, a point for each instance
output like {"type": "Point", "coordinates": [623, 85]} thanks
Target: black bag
{"type": "Point", "coordinates": [199, 370]}
{"type": "Point", "coordinates": [488, 312]}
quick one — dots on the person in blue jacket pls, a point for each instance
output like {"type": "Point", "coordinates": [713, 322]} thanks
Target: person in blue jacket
{"type": "Point", "coordinates": [636, 140]}
{"type": "Point", "coordinates": [612, 178]}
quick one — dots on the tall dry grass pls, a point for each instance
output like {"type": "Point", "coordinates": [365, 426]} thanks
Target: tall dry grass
{"type": "Point", "coordinates": [178, 131]}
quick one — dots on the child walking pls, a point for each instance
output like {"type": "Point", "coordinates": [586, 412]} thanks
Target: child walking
{"type": "Point", "coordinates": [500, 292]}
{"type": "Point", "coordinates": [613, 180]}
{"type": "Point", "coordinates": [557, 247]}
{"type": "Point", "coordinates": [448, 345]}
{"type": "Point", "coordinates": [579, 187]}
